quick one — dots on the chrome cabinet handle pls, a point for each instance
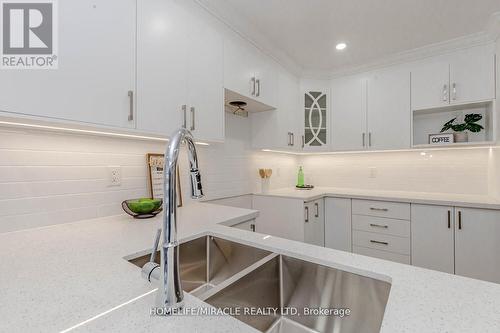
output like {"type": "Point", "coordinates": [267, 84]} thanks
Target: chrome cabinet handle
{"type": "Point", "coordinates": [369, 139]}
{"type": "Point", "coordinates": [193, 112]}
{"type": "Point", "coordinates": [252, 80]}
{"type": "Point", "coordinates": [131, 105]}
{"type": "Point", "coordinates": [303, 141]}
{"type": "Point", "coordinates": [317, 209]}
{"type": "Point", "coordinates": [306, 209]}
{"type": "Point", "coordinates": [379, 226]}
{"type": "Point", "coordinates": [252, 227]}
{"type": "Point", "coordinates": [258, 88]}
{"type": "Point", "coordinates": [449, 219]}
{"type": "Point", "coordinates": [184, 110]}
{"type": "Point", "coordinates": [445, 93]}
{"type": "Point", "coordinates": [363, 138]}
{"type": "Point", "coordinates": [379, 209]}
{"type": "Point", "coordinates": [378, 242]}
{"type": "Point", "coordinates": [459, 220]}
{"type": "Point", "coordinates": [289, 139]}
{"type": "Point", "coordinates": [454, 91]}
{"type": "Point", "coordinates": [293, 139]}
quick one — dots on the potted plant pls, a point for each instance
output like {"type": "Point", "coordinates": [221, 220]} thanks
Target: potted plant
{"type": "Point", "coordinates": [460, 129]}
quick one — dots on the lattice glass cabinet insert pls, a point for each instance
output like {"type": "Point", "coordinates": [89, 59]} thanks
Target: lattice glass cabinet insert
{"type": "Point", "coordinates": [315, 120]}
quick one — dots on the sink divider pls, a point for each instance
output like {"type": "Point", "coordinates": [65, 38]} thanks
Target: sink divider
{"type": "Point", "coordinates": [215, 289]}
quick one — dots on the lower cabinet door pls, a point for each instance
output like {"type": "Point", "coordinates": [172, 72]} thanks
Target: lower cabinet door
{"type": "Point", "coordinates": [477, 243]}
{"type": "Point", "coordinates": [432, 233]}
{"type": "Point", "coordinates": [314, 223]}
{"type": "Point", "coordinates": [338, 224]}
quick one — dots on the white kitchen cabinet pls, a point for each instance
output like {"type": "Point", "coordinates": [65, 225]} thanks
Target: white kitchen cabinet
{"type": "Point", "coordinates": [249, 72]}
{"type": "Point", "coordinates": [472, 75]}
{"type": "Point", "coordinates": [461, 77]}
{"type": "Point", "coordinates": [477, 243]}
{"type": "Point", "coordinates": [96, 69]}
{"type": "Point", "coordinates": [177, 84]}
{"type": "Point", "coordinates": [389, 112]}
{"type": "Point", "coordinates": [338, 224]}
{"type": "Point", "coordinates": [429, 84]}
{"type": "Point", "coordinates": [348, 121]}
{"type": "Point", "coordinates": [314, 222]}
{"type": "Point", "coordinates": [279, 128]}
{"type": "Point", "coordinates": [432, 237]}
{"type": "Point", "coordinates": [280, 217]}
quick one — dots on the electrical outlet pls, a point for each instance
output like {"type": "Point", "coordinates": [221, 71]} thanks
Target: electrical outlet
{"type": "Point", "coordinates": [115, 175]}
{"type": "Point", "coordinates": [373, 172]}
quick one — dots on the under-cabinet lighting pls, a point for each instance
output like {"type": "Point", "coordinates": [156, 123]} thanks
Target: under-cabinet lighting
{"type": "Point", "coordinates": [421, 150]}
{"type": "Point", "coordinates": [94, 132]}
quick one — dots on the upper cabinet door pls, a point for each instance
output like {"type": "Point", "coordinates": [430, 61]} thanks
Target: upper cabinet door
{"type": "Point", "coordinates": [389, 114]}
{"type": "Point", "coordinates": [162, 66]}
{"type": "Point", "coordinates": [240, 66]}
{"type": "Point", "coordinates": [316, 116]}
{"type": "Point", "coordinates": [430, 84]}
{"type": "Point", "coordinates": [472, 75]}
{"type": "Point", "coordinates": [96, 68]}
{"type": "Point", "coordinates": [266, 80]}
{"type": "Point", "coordinates": [205, 80]}
{"type": "Point", "coordinates": [249, 72]}
{"type": "Point", "coordinates": [349, 114]}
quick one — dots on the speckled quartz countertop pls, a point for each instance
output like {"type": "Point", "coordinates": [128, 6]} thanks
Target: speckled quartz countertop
{"type": "Point", "coordinates": [445, 199]}
{"type": "Point", "coordinates": [73, 278]}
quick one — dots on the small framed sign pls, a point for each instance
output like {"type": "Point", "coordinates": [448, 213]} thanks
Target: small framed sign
{"type": "Point", "coordinates": [441, 139]}
{"type": "Point", "coordinates": [155, 173]}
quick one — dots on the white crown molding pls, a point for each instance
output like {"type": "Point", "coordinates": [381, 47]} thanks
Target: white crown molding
{"type": "Point", "coordinates": [233, 20]}
{"type": "Point", "coordinates": [413, 55]}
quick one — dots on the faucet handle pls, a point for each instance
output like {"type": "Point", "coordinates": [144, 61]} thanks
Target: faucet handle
{"type": "Point", "coordinates": [148, 269]}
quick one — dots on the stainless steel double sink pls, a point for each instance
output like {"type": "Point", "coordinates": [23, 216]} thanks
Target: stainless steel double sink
{"type": "Point", "coordinates": [227, 274]}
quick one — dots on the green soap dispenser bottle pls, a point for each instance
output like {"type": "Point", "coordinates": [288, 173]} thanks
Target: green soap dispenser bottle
{"type": "Point", "coordinates": [300, 178]}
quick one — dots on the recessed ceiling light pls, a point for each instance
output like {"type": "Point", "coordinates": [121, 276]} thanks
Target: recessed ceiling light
{"type": "Point", "coordinates": [341, 46]}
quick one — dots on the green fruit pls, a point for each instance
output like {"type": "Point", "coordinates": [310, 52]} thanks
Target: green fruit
{"type": "Point", "coordinates": [142, 206]}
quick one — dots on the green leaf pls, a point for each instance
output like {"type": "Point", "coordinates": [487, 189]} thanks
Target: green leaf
{"type": "Point", "coordinates": [474, 128]}
{"type": "Point", "coordinates": [473, 117]}
{"type": "Point", "coordinates": [459, 128]}
{"type": "Point", "coordinates": [448, 125]}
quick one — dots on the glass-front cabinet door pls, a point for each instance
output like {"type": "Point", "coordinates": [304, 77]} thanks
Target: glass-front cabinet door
{"type": "Point", "coordinates": [315, 119]}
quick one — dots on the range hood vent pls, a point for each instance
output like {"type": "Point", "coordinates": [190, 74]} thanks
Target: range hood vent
{"type": "Point", "coordinates": [241, 105]}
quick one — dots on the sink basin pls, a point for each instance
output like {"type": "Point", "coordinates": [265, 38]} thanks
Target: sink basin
{"type": "Point", "coordinates": [207, 261]}
{"type": "Point", "coordinates": [301, 285]}
{"type": "Point", "coordinates": [227, 274]}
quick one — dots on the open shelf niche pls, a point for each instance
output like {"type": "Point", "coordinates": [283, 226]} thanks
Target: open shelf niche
{"type": "Point", "coordinates": [430, 121]}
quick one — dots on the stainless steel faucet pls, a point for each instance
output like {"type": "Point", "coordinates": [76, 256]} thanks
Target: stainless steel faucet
{"type": "Point", "coordinates": [170, 295]}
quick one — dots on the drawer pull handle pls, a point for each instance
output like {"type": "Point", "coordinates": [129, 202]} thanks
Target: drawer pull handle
{"type": "Point", "coordinates": [378, 226]}
{"type": "Point", "coordinates": [378, 242]}
{"type": "Point", "coordinates": [379, 209]}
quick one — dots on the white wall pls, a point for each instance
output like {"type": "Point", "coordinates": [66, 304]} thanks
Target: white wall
{"type": "Point", "coordinates": [464, 171]}
{"type": "Point", "coordinates": [50, 178]}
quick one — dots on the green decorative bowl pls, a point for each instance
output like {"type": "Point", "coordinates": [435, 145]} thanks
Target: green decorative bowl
{"type": "Point", "coordinates": [142, 208]}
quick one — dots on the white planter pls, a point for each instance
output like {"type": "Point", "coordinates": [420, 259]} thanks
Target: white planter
{"type": "Point", "coordinates": [461, 136]}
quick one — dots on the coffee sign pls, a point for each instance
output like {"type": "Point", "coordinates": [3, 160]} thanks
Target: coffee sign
{"type": "Point", "coordinates": [440, 139]}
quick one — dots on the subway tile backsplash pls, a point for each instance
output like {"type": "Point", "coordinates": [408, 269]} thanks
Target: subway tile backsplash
{"type": "Point", "coordinates": [51, 178]}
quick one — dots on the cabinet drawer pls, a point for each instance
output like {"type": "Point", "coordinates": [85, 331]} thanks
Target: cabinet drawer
{"type": "Point", "coordinates": [382, 242]}
{"type": "Point", "coordinates": [403, 259]}
{"type": "Point", "coordinates": [381, 225]}
{"type": "Point", "coordinates": [395, 210]}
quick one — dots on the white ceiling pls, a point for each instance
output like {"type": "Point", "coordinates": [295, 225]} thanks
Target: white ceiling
{"type": "Point", "coordinates": [307, 30]}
